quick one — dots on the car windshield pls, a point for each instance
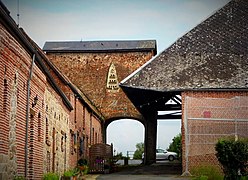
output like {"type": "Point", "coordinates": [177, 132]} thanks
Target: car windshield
{"type": "Point", "coordinates": [160, 151]}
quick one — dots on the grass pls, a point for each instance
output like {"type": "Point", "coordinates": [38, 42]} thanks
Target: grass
{"type": "Point", "coordinates": [206, 172]}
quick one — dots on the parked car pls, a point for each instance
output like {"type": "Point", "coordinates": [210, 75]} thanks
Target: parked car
{"type": "Point", "coordinates": [164, 155]}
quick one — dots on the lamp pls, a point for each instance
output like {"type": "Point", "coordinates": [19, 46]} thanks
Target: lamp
{"type": "Point", "coordinates": [35, 101]}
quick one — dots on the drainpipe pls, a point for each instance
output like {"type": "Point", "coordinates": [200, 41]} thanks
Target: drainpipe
{"type": "Point", "coordinates": [27, 116]}
{"type": "Point", "coordinates": [90, 128]}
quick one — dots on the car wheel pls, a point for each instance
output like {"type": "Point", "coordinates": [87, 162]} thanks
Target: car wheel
{"type": "Point", "coordinates": [171, 158]}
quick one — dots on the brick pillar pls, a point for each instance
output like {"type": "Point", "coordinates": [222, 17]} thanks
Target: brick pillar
{"type": "Point", "coordinates": [150, 136]}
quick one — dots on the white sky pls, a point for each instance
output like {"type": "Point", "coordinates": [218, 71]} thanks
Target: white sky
{"type": "Point", "coordinates": [125, 134]}
{"type": "Point", "coordinates": [162, 20]}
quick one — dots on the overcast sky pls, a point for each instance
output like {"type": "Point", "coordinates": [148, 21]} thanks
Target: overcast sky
{"type": "Point", "coordinates": [162, 20]}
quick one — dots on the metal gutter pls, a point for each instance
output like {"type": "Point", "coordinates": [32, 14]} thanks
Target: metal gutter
{"type": "Point", "coordinates": [27, 115]}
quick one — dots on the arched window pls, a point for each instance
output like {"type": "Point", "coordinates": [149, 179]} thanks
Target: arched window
{"type": "Point", "coordinates": [39, 127]}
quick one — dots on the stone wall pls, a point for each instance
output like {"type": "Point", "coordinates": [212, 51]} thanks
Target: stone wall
{"type": "Point", "coordinates": [56, 128]}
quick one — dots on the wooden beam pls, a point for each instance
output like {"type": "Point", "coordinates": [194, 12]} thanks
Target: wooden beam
{"type": "Point", "coordinates": [169, 116]}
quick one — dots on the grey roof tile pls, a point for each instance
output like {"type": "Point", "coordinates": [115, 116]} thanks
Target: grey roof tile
{"type": "Point", "coordinates": [213, 55]}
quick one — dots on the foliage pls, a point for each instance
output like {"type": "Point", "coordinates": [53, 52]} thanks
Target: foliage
{"type": "Point", "coordinates": [139, 150]}
{"type": "Point", "coordinates": [202, 177]}
{"type": "Point", "coordinates": [19, 178]}
{"type": "Point", "coordinates": [50, 176]}
{"type": "Point", "coordinates": [233, 155]}
{"type": "Point", "coordinates": [71, 172]}
{"type": "Point", "coordinates": [83, 166]}
{"type": "Point", "coordinates": [176, 145]}
{"type": "Point", "coordinates": [119, 156]}
{"type": "Point", "coordinates": [83, 169]}
{"type": "Point", "coordinates": [206, 172]}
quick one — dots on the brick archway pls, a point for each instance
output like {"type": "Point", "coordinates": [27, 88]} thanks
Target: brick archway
{"type": "Point", "coordinates": [109, 121]}
{"type": "Point", "coordinates": [124, 134]}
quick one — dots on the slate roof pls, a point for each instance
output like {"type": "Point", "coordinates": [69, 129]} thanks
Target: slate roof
{"type": "Point", "coordinates": [101, 46]}
{"type": "Point", "coordinates": [213, 55]}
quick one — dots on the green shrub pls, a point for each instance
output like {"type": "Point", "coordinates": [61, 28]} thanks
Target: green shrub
{"type": "Point", "coordinates": [71, 172]}
{"type": "Point", "coordinates": [19, 178]}
{"type": "Point", "coordinates": [206, 172]}
{"type": "Point", "coordinates": [50, 176]}
{"type": "Point", "coordinates": [233, 156]}
{"type": "Point", "coordinates": [176, 146]}
{"type": "Point", "coordinates": [203, 178]}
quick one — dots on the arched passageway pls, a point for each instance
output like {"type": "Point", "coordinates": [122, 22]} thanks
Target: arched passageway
{"type": "Point", "coordinates": [124, 134]}
{"type": "Point", "coordinates": [149, 125]}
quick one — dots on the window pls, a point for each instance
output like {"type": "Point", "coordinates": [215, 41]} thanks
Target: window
{"type": "Point", "coordinates": [48, 161]}
{"type": "Point", "coordinates": [39, 127]}
{"type": "Point", "coordinates": [93, 133]}
{"type": "Point", "coordinates": [47, 137]}
{"type": "Point", "coordinates": [5, 94]}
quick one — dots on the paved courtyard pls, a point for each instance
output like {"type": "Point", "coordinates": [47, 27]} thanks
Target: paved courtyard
{"type": "Point", "coordinates": [161, 170]}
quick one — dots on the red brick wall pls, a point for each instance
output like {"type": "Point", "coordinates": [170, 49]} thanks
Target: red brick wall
{"type": "Point", "coordinates": [213, 129]}
{"type": "Point", "coordinates": [4, 105]}
{"type": "Point", "coordinates": [88, 71]}
{"type": "Point", "coordinates": [15, 65]}
{"type": "Point", "coordinates": [82, 123]}
{"type": "Point", "coordinates": [96, 124]}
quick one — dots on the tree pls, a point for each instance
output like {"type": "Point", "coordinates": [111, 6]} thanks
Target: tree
{"type": "Point", "coordinates": [119, 156]}
{"type": "Point", "coordinates": [139, 150]}
{"type": "Point", "coordinates": [176, 145]}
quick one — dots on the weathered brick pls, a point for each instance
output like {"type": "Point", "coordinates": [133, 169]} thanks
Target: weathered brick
{"type": "Point", "coordinates": [88, 71]}
{"type": "Point", "coordinates": [15, 64]}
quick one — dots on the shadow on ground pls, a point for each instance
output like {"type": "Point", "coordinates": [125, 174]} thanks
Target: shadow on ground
{"type": "Point", "coordinates": [158, 168]}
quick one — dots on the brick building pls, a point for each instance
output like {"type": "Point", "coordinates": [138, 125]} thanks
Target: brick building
{"type": "Point", "coordinates": [97, 67]}
{"type": "Point", "coordinates": [208, 68]}
{"type": "Point", "coordinates": [47, 124]}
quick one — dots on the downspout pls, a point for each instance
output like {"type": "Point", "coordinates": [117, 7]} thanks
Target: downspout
{"type": "Point", "coordinates": [27, 116]}
{"type": "Point", "coordinates": [90, 128]}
